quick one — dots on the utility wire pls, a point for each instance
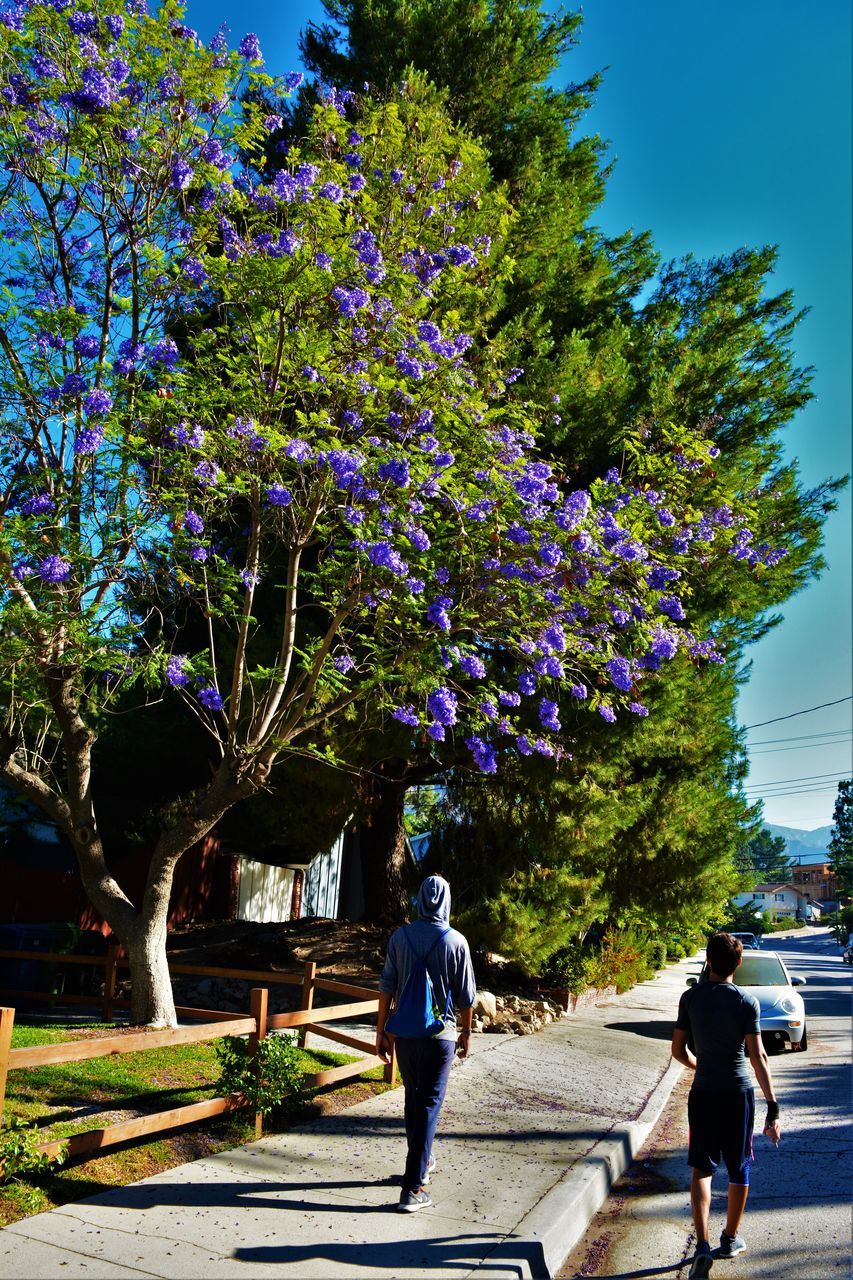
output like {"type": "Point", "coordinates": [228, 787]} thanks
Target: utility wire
{"type": "Point", "coordinates": [782, 782]}
{"type": "Point", "coordinates": [820, 706]}
{"type": "Point", "coordinates": [769, 794]}
{"type": "Point", "coordinates": [806, 737]}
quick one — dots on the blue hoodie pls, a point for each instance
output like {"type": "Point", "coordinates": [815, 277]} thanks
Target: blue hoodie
{"type": "Point", "coordinates": [449, 964]}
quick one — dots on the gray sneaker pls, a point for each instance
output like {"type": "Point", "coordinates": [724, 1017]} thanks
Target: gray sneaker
{"type": "Point", "coordinates": [411, 1201]}
{"type": "Point", "coordinates": [703, 1261]}
{"type": "Point", "coordinates": [730, 1246]}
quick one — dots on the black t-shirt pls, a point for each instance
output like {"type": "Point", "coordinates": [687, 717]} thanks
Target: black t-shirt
{"type": "Point", "coordinates": [717, 1016]}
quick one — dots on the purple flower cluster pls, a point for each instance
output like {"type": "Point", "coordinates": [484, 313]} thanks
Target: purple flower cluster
{"type": "Point", "coordinates": [210, 697]}
{"type": "Point", "coordinates": [443, 706]}
{"type": "Point", "coordinates": [40, 504]}
{"type": "Point", "coordinates": [176, 676]}
{"type": "Point", "coordinates": [54, 569]}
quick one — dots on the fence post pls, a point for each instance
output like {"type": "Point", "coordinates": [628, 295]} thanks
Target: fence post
{"type": "Point", "coordinates": [7, 1020]}
{"type": "Point", "coordinates": [307, 997]}
{"type": "Point", "coordinates": [389, 1074]}
{"type": "Point", "coordinates": [110, 978]}
{"type": "Point", "coordinates": [259, 999]}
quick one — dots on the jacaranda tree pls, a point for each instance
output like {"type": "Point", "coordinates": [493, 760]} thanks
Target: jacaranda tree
{"type": "Point", "coordinates": [330, 429]}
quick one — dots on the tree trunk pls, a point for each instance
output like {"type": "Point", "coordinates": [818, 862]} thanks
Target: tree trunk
{"type": "Point", "coordinates": [152, 1002]}
{"type": "Point", "coordinates": [382, 846]}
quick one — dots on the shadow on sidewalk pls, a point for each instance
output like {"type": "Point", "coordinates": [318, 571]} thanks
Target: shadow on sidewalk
{"type": "Point", "coordinates": [517, 1258]}
{"type": "Point", "coordinates": [652, 1030]}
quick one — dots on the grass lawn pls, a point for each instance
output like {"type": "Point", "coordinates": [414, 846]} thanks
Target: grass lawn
{"type": "Point", "coordinates": [76, 1096]}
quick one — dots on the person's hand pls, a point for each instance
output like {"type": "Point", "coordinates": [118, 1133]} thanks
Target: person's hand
{"type": "Point", "coordinates": [383, 1046]}
{"type": "Point", "coordinates": [463, 1044]}
{"type": "Point", "coordinates": [773, 1131]}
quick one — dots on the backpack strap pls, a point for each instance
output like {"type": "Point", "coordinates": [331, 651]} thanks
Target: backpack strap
{"type": "Point", "coordinates": [424, 959]}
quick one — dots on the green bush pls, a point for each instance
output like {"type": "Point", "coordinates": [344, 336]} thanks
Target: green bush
{"type": "Point", "coordinates": [785, 922]}
{"type": "Point", "coordinates": [656, 953]}
{"type": "Point", "coordinates": [567, 967]}
{"type": "Point", "coordinates": [272, 1080]}
{"type": "Point", "coordinates": [621, 961]}
{"type": "Point", "coordinates": [19, 1141]}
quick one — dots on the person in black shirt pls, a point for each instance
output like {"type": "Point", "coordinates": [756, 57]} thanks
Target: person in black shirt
{"type": "Point", "coordinates": [721, 1021]}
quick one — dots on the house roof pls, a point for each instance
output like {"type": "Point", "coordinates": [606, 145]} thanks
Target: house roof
{"type": "Point", "coordinates": [774, 888]}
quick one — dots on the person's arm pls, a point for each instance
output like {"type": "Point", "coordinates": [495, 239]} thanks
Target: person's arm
{"type": "Point", "coordinates": [463, 1040]}
{"type": "Point", "coordinates": [761, 1067]}
{"type": "Point", "coordinates": [680, 1051]}
{"type": "Point", "coordinates": [383, 1040]}
{"type": "Point", "coordinates": [464, 988]}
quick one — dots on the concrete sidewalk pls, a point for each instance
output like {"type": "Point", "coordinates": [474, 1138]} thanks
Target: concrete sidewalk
{"type": "Point", "coordinates": [532, 1133]}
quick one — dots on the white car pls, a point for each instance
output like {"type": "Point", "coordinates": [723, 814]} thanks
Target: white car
{"type": "Point", "coordinates": [783, 1014]}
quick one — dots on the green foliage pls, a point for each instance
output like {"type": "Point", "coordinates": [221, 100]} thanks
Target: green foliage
{"type": "Point", "coordinates": [782, 923]}
{"type": "Point", "coordinates": [746, 918]}
{"type": "Point", "coordinates": [423, 808]}
{"type": "Point", "coordinates": [764, 859]}
{"type": "Point", "coordinates": [841, 840]}
{"type": "Point", "coordinates": [621, 960]}
{"type": "Point", "coordinates": [19, 1155]}
{"type": "Point", "coordinates": [270, 1080]}
{"type": "Point", "coordinates": [660, 811]}
{"type": "Point", "coordinates": [567, 967]}
{"type": "Point", "coordinates": [841, 924]}
{"type": "Point", "coordinates": [656, 954]}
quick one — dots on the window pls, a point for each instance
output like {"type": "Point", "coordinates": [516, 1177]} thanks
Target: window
{"type": "Point", "coordinates": [778, 897]}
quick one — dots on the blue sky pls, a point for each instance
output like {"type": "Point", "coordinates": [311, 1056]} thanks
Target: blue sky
{"type": "Point", "coordinates": [730, 125]}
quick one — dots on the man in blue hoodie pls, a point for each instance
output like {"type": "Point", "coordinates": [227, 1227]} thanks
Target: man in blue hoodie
{"type": "Point", "coordinates": [425, 1061]}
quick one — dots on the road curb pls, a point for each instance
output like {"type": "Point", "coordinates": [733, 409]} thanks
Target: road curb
{"type": "Point", "coordinates": [548, 1233]}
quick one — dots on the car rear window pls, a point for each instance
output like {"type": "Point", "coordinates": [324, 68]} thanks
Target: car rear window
{"type": "Point", "coordinates": [760, 971]}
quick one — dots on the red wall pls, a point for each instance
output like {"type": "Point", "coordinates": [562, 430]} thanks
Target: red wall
{"type": "Point", "coordinates": [204, 888]}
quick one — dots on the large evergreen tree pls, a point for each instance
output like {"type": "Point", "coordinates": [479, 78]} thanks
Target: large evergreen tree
{"type": "Point", "coordinates": [841, 840]}
{"type": "Point", "coordinates": [764, 858]}
{"type": "Point", "coordinates": [711, 345]}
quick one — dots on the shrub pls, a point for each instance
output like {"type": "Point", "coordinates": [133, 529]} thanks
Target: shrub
{"type": "Point", "coordinates": [567, 967]}
{"type": "Point", "coordinates": [271, 1080]}
{"type": "Point", "coordinates": [18, 1151]}
{"type": "Point", "coordinates": [656, 953]}
{"type": "Point", "coordinates": [621, 961]}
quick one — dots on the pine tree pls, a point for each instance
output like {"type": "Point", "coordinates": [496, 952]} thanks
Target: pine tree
{"type": "Point", "coordinates": [841, 840]}
{"type": "Point", "coordinates": [710, 348]}
{"type": "Point", "coordinates": [765, 859]}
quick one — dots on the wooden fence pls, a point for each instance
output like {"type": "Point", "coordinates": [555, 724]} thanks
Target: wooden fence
{"type": "Point", "coordinates": [308, 1017]}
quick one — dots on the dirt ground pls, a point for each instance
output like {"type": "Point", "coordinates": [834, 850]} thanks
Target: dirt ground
{"type": "Point", "coordinates": [340, 948]}
{"type": "Point", "coordinates": [344, 949]}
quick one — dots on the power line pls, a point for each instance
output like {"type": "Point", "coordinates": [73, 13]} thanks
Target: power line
{"type": "Point", "coordinates": [800, 791]}
{"type": "Point", "coordinates": [782, 782]}
{"type": "Point", "coordinates": [820, 706]}
{"type": "Point", "coordinates": [809, 746]}
{"type": "Point", "coordinates": [805, 737]}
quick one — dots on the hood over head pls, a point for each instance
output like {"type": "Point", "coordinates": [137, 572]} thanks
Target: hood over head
{"type": "Point", "coordinates": [434, 900]}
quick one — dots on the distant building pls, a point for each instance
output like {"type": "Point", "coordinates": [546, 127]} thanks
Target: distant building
{"type": "Point", "coordinates": [780, 900]}
{"type": "Point", "coordinates": [815, 877]}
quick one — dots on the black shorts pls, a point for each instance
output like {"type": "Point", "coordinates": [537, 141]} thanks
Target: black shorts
{"type": "Point", "coordinates": [721, 1130]}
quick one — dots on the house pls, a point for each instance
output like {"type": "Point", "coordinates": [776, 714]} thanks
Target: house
{"type": "Point", "coordinates": [812, 874]}
{"type": "Point", "coordinates": [42, 881]}
{"type": "Point", "coordinates": [780, 900]}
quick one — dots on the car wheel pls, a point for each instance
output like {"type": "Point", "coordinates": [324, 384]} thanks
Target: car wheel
{"type": "Point", "coordinates": [804, 1041]}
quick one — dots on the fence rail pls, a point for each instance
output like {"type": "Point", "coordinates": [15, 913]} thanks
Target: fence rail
{"type": "Point", "coordinates": [217, 1023]}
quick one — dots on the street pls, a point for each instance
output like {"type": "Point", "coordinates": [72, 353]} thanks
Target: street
{"type": "Point", "coordinates": [797, 1221]}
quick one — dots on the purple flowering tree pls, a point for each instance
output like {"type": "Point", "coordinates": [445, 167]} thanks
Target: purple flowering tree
{"type": "Point", "coordinates": [275, 399]}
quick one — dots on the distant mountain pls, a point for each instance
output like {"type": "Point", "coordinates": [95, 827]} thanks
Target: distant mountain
{"type": "Point", "coordinates": [804, 846]}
